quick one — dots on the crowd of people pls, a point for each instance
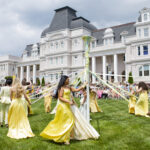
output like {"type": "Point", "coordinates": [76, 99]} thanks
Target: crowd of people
{"type": "Point", "coordinates": [69, 121]}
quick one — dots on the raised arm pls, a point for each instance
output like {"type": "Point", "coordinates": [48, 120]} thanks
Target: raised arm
{"type": "Point", "coordinates": [138, 90]}
{"type": "Point", "coordinates": [60, 96]}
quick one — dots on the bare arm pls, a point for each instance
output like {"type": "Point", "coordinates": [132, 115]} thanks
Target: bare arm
{"type": "Point", "coordinates": [60, 96]}
{"type": "Point", "coordinates": [76, 90]}
{"type": "Point", "coordinates": [138, 90]}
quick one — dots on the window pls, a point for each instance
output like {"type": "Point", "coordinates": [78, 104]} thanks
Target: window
{"type": "Point", "coordinates": [56, 45]}
{"type": "Point", "coordinates": [139, 52]}
{"type": "Point", "coordinates": [140, 71]}
{"type": "Point", "coordinates": [51, 60]}
{"type": "Point", "coordinates": [106, 41]}
{"type": "Point", "coordinates": [56, 60]}
{"type": "Point", "coordinates": [61, 59]}
{"type": "Point", "coordinates": [93, 44]}
{"type": "Point", "coordinates": [75, 42]}
{"type": "Point", "coordinates": [56, 76]}
{"type": "Point", "coordinates": [145, 50]}
{"type": "Point", "coordinates": [51, 76]}
{"type": "Point", "coordinates": [146, 70]}
{"type": "Point", "coordinates": [139, 32]}
{"type": "Point", "coordinates": [62, 44]}
{"type": "Point", "coordinates": [51, 45]}
{"type": "Point", "coordinates": [145, 17]}
{"type": "Point", "coordinates": [146, 34]}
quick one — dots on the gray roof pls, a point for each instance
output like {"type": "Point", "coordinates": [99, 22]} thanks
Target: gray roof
{"type": "Point", "coordinates": [64, 18]}
{"type": "Point", "coordinates": [117, 30]}
{"type": "Point", "coordinates": [82, 22]}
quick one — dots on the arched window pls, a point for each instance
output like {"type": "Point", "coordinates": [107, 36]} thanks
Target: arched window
{"type": "Point", "coordinates": [140, 71]}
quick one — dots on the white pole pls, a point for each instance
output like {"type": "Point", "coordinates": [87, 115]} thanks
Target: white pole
{"type": "Point", "coordinates": [86, 40]}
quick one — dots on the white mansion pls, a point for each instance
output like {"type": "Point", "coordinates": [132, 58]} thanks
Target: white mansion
{"type": "Point", "coordinates": [116, 50]}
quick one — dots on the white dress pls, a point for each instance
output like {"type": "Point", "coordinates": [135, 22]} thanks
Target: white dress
{"type": "Point", "coordinates": [82, 129]}
{"type": "Point", "coordinates": [83, 107]}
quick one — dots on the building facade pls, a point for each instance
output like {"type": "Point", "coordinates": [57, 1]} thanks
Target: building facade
{"type": "Point", "coordinates": [115, 51]}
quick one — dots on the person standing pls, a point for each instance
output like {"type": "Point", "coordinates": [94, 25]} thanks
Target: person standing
{"type": "Point", "coordinates": [18, 122]}
{"type": "Point", "coordinates": [5, 102]}
{"type": "Point", "coordinates": [141, 107]}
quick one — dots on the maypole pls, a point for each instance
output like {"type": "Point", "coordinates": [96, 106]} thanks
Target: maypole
{"type": "Point", "coordinates": [86, 41]}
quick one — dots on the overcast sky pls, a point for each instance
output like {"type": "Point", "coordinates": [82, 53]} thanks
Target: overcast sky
{"type": "Point", "coordinates": [22, 21]}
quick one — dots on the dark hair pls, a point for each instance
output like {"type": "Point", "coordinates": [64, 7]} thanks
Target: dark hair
{"type": "Point", "coordinates": [143, 86]}
{"type": "Point", "coordinates": [60, 84]}
{"type": "Point", "coordinates": [23, 82]}
{"type": "Point", "coordinates": [9, 81]}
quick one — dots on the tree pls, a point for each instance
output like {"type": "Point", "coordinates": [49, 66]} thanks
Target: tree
{"type": "Point", "coordinates": [43, 81]}
{"type": "Point", "coordinates": [38, 81]}
{"type": "Point", "coordinates": [130, 79]}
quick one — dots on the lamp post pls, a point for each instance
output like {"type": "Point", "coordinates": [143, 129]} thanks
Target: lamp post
{"type": "Point", "coordinates": [86, 41]}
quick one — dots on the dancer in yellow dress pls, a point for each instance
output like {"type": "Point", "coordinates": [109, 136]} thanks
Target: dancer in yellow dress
{"type": "Point", "coordinates": [132, 101]}
{"type": "Point", "coordinates": [47, 100]}
{"type": "Point", "coordinates": [93, 102]}
{"type": "Point", "coordinates": [59, 129]}
{"type": "Point", "coordinates": [19, 126]}
{"type": "Point", "coordinates": [141, 107]}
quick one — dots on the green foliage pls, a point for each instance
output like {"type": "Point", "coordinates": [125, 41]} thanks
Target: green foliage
{"type": "Point", "coordinates": [8, 77]}
{"type": "Point", "coordinates": [130, 79]}
{"type": "Point", "coordinates": [118, 130]}
{"type": "Point", "coordinates": [38, 82]}
{"type": "Point", "coordinates": [43, 81]}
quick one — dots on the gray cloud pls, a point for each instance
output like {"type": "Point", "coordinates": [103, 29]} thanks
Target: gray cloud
{"type": "Point", "coordinates": [22, 21]}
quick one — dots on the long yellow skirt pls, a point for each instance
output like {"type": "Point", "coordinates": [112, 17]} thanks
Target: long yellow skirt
{"type": "Point", "coordinates": [60, 128]}
{"type": "Point", "coordinates": [18, 122]}
{"type": "Point", "coordinates": [47, 103]}
{"type": "Point", "coordinates": [94, 106]}
{"type": "Point", "coordinates": [132, 102]}
{"type": "Point", "coordinates": [141, 107]}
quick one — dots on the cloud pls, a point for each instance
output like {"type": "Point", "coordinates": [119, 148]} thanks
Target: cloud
{"type": "Point", "coordinates": [22, 21]}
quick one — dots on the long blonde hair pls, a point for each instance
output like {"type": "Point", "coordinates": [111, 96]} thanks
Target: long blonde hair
{"type": "Point", "coordinates": [17, 88]}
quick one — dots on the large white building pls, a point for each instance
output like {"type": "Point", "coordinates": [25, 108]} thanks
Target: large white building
{"type": "Point", "coordinates": [116, 50]}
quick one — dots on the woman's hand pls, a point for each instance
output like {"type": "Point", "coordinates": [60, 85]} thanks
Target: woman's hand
{"type": "Point", "coordinates": [71, 103]}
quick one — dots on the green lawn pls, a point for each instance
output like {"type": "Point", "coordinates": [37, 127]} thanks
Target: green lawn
{"type": "Point", "coordinates": [118, 130]}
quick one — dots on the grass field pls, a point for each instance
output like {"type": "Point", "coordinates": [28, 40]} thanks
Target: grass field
{"type": "Point", "coordinates": [118, 131]}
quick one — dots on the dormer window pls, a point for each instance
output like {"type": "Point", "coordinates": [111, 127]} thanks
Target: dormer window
{"type": "Point", "coordinates": [56, 45]}
{"type": "Point", "coordinates": [145, 17]}
{"type": "Point", "coordinates": [108, 36]}
{"type": "Point", "coordinates": [62, 44]}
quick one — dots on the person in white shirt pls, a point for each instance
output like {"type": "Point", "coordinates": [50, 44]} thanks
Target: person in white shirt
{"type": "Point", "coordinates": [5, 102]}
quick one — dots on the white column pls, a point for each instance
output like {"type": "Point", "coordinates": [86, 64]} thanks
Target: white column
{"type": "Point", "coordinates": [16, 72]}
{"type": "Point", "coordinates": [34, 74]}
{"type": "Point", "coordinates": [28, 73]}
{"type": "Point", "coordinates": [93, 68]}
{"type": "Point", "coordinates": [104, 67]}
{"type": "Point", "coordinates": [21, 73]}
{"type": "Point", "coordinates": [115, 68]}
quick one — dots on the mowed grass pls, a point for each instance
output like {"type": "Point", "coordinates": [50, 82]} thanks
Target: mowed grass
{"type": "Point", "coordinates": [118, 130]}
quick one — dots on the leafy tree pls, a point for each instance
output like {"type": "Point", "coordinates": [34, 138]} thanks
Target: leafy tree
{"type": "Point", "coordinates": [43, 81]}
{"type": "Point", "coordinates": [130, 79]}
{"type": "Point", "coordinates": [38, 81]}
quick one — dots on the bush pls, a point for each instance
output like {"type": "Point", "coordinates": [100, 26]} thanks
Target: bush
{"type": "Point", "coordinates": [43, 81]}
{"type": "Point", "coordinates": [38, 81]}
{"type": "Point", "coordinates": [8, 77]}
{"type": "Point", "coordinates": [130, 79]}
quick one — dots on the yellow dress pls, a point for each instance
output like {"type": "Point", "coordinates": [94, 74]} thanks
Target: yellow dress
{"type": "Point", "coordinates": [93, 103]}
{"type": "Point", "coordinates": [30, 112]}
{"type": "Point", "coordinates": [47, 102]}
{"type": "Point", "coordinates": [132, 102]}
{"type": "Point", "coordinates": [18, 122]}
{"type": "Point", "coordinates": [141, 107]}
{"type": "Point", "coordinates": [60, 128]}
